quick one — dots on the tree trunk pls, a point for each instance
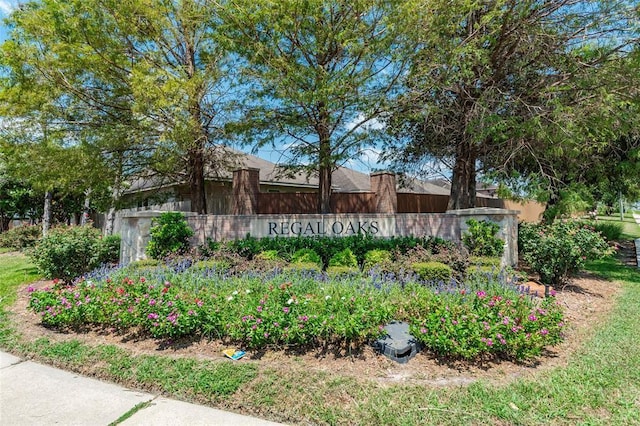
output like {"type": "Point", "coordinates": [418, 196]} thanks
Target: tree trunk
{"type": "Point", "coordinates": [196, 179]}
{"type": "Point", "coordinates": [4, 223]}
{"type": "Point", "coordinates": [463, 183]}
{"type": "Point", "coordinates": [325, 166]}
{"type": "Point", "coordinates": [46, 217]}
{"type": "Point", "coordinates": [115, 196]}
{"type": "Point", "coordinates": [324, 189]}
{"type": "Point", "coordinates": [84, 219]}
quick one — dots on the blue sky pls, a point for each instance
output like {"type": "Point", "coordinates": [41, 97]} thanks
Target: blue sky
{"type": "Point", "coordinates": [6, 6]}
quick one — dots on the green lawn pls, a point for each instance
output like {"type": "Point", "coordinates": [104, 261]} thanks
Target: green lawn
{"type": "Point", "coordinates": [631, 230]}
{"type": "Point", "coordinates": [15, 269]}
{"type": "Point", "coordinates": [600, 384]}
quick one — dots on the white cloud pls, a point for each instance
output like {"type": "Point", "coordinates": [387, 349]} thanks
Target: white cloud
{"type": "Point", "coordinates": [359, 121]}
{"type": "Point", "coordinates": [6, 7]}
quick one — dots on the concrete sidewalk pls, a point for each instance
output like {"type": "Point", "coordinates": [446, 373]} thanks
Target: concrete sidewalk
{"type": "Point", "coordinates": [35, 394]}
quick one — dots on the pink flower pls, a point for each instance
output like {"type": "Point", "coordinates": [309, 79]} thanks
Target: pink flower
{"type": "Point", "coordinates": [259, 309]}
{"type": "Point", "coordinates": [481, 294]}
{"type": "Point", "coordinates": [544, 332]}
{"type": "Point", "coordinates": [423, 330]}
{"type": "Point", "coordinates": [532, 317]}
{"type": "Point", "coordinates": [285, 310]}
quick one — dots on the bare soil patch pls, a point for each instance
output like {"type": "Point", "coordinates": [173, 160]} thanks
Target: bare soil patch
{"type": "Point", "coordinates": [587, 301]}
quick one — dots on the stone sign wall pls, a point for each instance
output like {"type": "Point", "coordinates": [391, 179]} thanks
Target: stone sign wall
{"type": "Point", "coordinates": [450, 225]}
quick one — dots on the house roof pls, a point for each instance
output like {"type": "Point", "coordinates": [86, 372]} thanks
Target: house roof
{"type": "Point", "coordinates": [343, 179]}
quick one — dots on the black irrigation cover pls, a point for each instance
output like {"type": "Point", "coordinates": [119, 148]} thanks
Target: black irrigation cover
{"type": "Point", "coordinates": [398, 345]}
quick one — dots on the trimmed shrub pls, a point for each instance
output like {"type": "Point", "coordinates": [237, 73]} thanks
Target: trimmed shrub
{"type": "Point", "coordinates": [212, 264]}
{"type": "Point", "coordinates": [109, 249]}
{"type": "Point", "coordinates": [306, 256]}
{"type": "Point", "coordinates": [68, 252]}
{"type": "Point", "coordinates": [20, 237]}
{"type": "Point", "coordinates": [304, 266]}
{"type": "Point", "coordinates": [269, 255]}
{"type": "Point", "coordinates": [170, 234]}
{"type": "Point", "coordinates": [433, 271]}
{"type": "Point", "coordinates": [484, 261]}
{"type": "Point", "coordinates": [376, 257]}
{"type": "Point", "coordinates": [481, 239]}
{"type": "Point", "coordinates": [144, 263]}
{"type": "Point", "coordinates": [337, 271]}
{"type": "Point", "coordinates": [609, 230]}
{"type": "Point", "coordinates": [344, 258]}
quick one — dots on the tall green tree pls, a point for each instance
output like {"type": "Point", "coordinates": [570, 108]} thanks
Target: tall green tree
{"type": "Point", "coordinates": [138, 80]}
{"type": "Point", "coordinates": [320, 73]}
{"type": "Point", "coordinates": [497, 84]}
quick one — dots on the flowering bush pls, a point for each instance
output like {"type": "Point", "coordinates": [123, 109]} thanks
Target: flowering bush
{"type": "Point", "coordinates": [470, 324]}
{"type": "Point", "coordinates": [560, 250]}
{"type": "Point", "coordinates": [20, 237]}
{"type": "Point", "coordinates": [68, 252]}
{"type": "Point", "coordinates": [487, 316]}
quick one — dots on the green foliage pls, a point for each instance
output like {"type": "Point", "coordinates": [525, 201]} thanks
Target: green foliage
{"type": "Point", "coordinates": [299, 97]}
{"type": "Point", "coordinates": [170, 234]}
{"type": "Point", "coordinates": [68, 252]}
{"type": "Point", "coordinates": [15, 270]}
{"type": "Point", "coordinates": [559, 250]}
{"type": "Point", "coordinates": [339, 270]}
{"type": "Point", "coordinates": [20, 237]}
{"type": "Point", "coordinates": [212, 264]}
{"type": "Point", "coordinates": [485, 261]}
{"type": "Point", "coordinates": [109, 249]}
{"type": "Point", "coordinates": [344, 258]}
{"type": "Point", "coordinates": [470, 325]}
{"type": "Point", "coordinates": [269, 255]}
{"type": "Point", "coordinates": [304, 266]}
{"type": "Point", "coordinates": [481, 240]}
{"type": "Point", "coordinates": [327, 247]}
{"type": "Point", "coordinates": [306, 256]}
{"type": "Point", "coordinates": [433, 271]}
{"type": "Point", "coordinates": [144, 264]}
{"type": "Point", "coordinates": [611, 231]}
{"type": "Point", "coordinates": [306, 307]}
{"type": "Point", "coordinates": [376, 257]}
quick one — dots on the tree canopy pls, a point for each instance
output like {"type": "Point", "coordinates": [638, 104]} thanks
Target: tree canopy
{"type": "Point", "coordinates": [510, 86]}
{"type": "Point", "coordinates": [540, 95]}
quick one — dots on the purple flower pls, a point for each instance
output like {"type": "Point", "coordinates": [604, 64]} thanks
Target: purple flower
{"type": "Point", "coordinates": [285, 310]}
{"type": "Point", "coordinates": [152, 302]}
{"type": "Point", "coordinates": [481, 294]}
{"type": "Point", "coordinates": [544, 332]}
{"type": "Point", "coordinates": [259, 308]}
{"type": "Point", "coordinates": [532, 317]}
{"type": "Point", "coordinates": [153, 316]}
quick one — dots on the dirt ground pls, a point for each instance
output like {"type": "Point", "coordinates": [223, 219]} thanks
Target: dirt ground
{"type": "Point", "coordinates": [587, 301]}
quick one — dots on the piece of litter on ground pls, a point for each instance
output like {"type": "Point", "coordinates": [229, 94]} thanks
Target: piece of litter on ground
{"type": "Point", "coordinates": [234, 354]}
{"type": "Point", "coordinates": [514, 406]}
